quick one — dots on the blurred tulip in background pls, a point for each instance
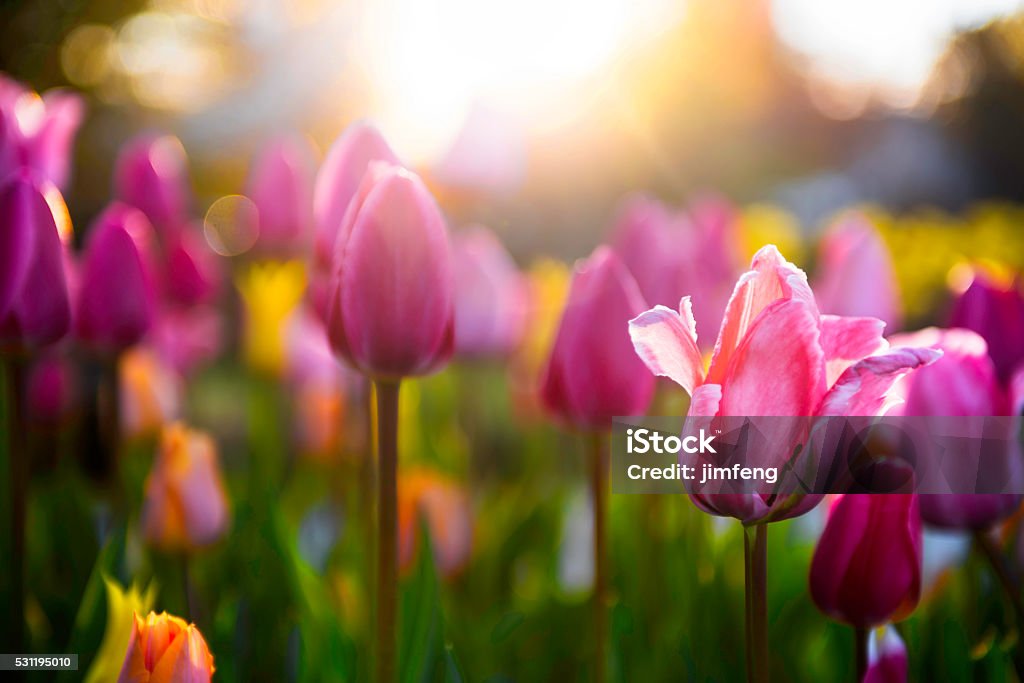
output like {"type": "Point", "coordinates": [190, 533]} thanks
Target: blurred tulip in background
{"type": "Point", "coordinates": [280, 184]}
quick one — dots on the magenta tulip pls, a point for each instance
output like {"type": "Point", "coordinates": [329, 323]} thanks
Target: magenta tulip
{"type": "Point", "coordinates": [34, 306]}
{"type": "Point", "coordinates": [281, 186]}
{"type": "Point", "coordinates": [887, 657]}
{"type": "Point", "coordinates": [592, 374]}
{"type": "Point", "coordinates": [337, 182]}
{"type": "Point", "coordinates": [649, 240]}
{"type": "Point", "coordinates": [995, 311]}
{"type": "Point", "coordinates": [962, 383]}
{"type": "Point", "coordinates": [192, 271]}
{"type": "Point", "coordinates": [38, 132]}
{"type": "Point", "coordinates": [855, 272]}
{"type": "Point", "coordinates": [490, 295]}
{"type": "Point", "coordinates": [390, 311]}
{"type": "Point", "coordinates": [116, 296]}
{"type": "Point", "coordinates": [866, 569]}
{"type": "Point", "coordinates": [151, 174]}
{"type": "Point", "coordinates": [775, 355]}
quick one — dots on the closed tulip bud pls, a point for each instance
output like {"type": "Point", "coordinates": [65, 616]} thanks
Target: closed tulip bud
{"type": "Point", "coordinates": [192, 272]}
{"type": "Point", "coordinates": [337, 182]}
{"type": "Point", "coordinates": [116, 296]}
{"type": "Point", "coordinates": [887, 657]}
{"type": "Point", "coordinates": [443, 506]}
{"type": "Point", "coordinates": [281, 186]}
{"type": "Point", "coordinates": [390, 312]}
{"type": "Point", "coordinates": [866, 569]}
{"type": "Point", "coordinates": [961, 383]}
{"type": "Point", "coordinates": [647, 238]}
{"type": "Point", "coordinates": [34, 306]}
{"type": "Point", "coordinates": [856, 275]}
{"type": "Point", "coordinates": [185, 506]}
{"type": "Point", "coordinates": [151, 174]}
{"type": "Point", "coordinates": [490, 295]}
{"type": "Point", "coordinates": [339, 178]}
{"type": "Point", "coordinates": [995, 310]}
{"type": "Point", "coordinates": [166, 649]}
{"type": "Point", "coordinates": [592, 373]}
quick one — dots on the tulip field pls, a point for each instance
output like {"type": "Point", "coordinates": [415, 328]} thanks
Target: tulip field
{"type": "Point", "coordinates": [314, 426]}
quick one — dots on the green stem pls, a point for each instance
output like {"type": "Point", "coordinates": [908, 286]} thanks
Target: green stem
{"type": "Point", "coordinates": [599, 497]}
{"type": "Point", "coordinates": [860, 644]}
{"type": "Point", "coordinates": [387, 527]}
{"type": "Point", "coordinates": [17, 456]}
{"type": "Point", "coordinates": [1010, 588]}
{"type": "Point", "coordinates": [756, 560]}
{"type": "Point", "coordinates": [748, 609]}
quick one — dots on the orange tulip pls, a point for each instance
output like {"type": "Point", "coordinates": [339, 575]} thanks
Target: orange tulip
{"type": "Point", "coordinates": [185, 504]}
{"type": "Point", "coordinates": [165, 649]}
{"type": "Point", "coordinates": [444, 507]}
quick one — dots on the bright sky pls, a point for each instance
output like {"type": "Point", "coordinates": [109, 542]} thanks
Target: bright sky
{"type": "Point", "coordinates": [893, 43]}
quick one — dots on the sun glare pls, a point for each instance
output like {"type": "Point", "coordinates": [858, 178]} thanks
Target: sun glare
{"type": "Point", "coordinates": [429, 63]}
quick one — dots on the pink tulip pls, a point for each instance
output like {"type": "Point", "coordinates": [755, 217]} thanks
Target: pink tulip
{"type": "Point", "coordinates": [995, 311]}
{"type": "Point", "coordinates": [592, 374]}
{"type": "Point", "coordinates": [188, 337]}
{"type": "Point", "coordinates": [390, 311]}
{"type": "Point", "coordinates": [710, 262]}
{"type": "Point", "coordinates": [962, 383]}
{"type": "Point", "coordinates": [38, 132]}
{"type": "Point", "coordinates": [887, 657]}
{"type": "Point", "coordinates": [490, 295]}
{"type": "Point", "coordinates": [855, 272]}
{"type": "Point", "coordinates": [336, 185]}
{"type": "Point", "coordinates": [775, 355]}
{"type": "Point", "coordinates": [34, 306]}
{"type": "Point", "coordinates": [426, 497]}
{"type": "Point", "coordinates": [185, 505]}
{"type": "Point", "coordinates": [192, 271]}
{"type": "Point", "coordinates": [866, 569]}
{"type": "Point", "coordinates": [281, 186]}
{"type": "Point", "coordinates": [650, 242]}
{"type": "Point", "coordinates": [116, 297]}
{"type": "Point", "coordinates": [151, 174]}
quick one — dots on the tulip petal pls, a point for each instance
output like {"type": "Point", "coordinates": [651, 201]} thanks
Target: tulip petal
{"type": "Point", "coordinates": [846, 340]}
{"type": "Point", "coordinates": [778, 369]}
{"type": "Point", "coordinates": [19, 212]}
{"type": "Point", "coordinates": [666, 342]}
{"type": "Point", "coordinates": [863, 389]}
{"type": "Point", "coordinates": [770, 278]}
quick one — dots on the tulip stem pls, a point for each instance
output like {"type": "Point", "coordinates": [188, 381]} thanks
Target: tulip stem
{"type": "Point", "coordinates": [860, 644]}
{"type": "Point", "coordinates": [756, 563]}
{"type": "Point", "coordinates": [17, 457]}
{"type": "Point", "coordinates": [387, 527]}
{"type": "Point", "coordinates": [599, 499]}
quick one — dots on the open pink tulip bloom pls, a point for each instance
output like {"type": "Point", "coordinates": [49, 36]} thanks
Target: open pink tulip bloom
{"type": "Point", "coordinates": [866, 569]}
{"type": "Point", "coordinates": [963, 383]}
{"type": "Point", "coordinates": [593, 375]}
{"type": "Point", "coordinates": [776, 355]}
{"type": "Point", "coordinates": [391, 312]}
